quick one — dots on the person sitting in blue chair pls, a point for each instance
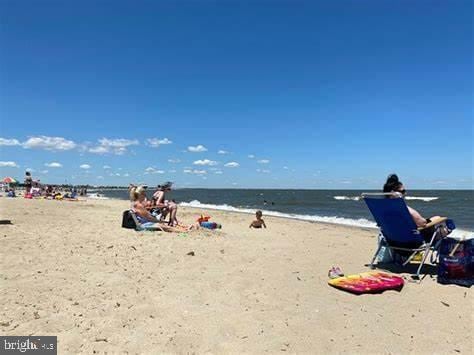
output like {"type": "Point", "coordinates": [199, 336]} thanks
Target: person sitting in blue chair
{"type": "Point", "coordinates": [393, 184]}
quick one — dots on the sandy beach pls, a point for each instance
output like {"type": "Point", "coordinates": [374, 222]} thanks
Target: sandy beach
{"type": "Point", "coordinates": [69, 269]}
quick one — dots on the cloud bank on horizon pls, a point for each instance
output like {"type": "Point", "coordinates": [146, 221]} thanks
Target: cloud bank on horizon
{"type": "Point", "coordinates": [121, 148]}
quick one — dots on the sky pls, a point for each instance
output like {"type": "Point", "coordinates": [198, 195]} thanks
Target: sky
{"type": "Point", "coordinates": [238, 94]}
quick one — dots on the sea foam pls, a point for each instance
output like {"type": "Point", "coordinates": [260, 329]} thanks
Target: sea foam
{"type": "Point", "coordinates": [361, 222]}
{"type": "Point", "coordinates": [347, 198]}
{"type": "Point", "coordinates": [97, 196]}
{"type": "Point", "coordinates": [357, 198]}
{"type": "Point", "coordinates": [426, 199]}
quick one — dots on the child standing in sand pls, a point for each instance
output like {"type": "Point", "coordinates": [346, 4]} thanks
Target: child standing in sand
{"type": "Point", "coordinates": [259, 222]}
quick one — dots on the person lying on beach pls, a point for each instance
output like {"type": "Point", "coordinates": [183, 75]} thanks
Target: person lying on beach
{"type": "Point", "coordinates": [139, 206]}
{"type": "Point", "coordinates": [393, 184]}
{"type": "Point", "coordinates": [259, 222]}
{"type": "Point", "coordinates": [164, 205]}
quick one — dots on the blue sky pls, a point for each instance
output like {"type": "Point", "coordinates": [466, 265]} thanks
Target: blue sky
{"type": "Point", "coordinates": [319, 94]}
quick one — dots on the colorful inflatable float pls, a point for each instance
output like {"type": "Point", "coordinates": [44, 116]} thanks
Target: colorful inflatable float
{"type": "Point", "coordinates": [368, 282]}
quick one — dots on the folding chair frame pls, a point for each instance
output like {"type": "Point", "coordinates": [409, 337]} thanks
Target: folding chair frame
{"type": "Point", "coordinates": [425, 247]}
{"type": "Point", "coordinates": [139, 226]}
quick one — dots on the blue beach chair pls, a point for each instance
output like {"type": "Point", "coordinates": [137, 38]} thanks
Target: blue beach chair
{"type": "Point", "coordinates": [398, 231]}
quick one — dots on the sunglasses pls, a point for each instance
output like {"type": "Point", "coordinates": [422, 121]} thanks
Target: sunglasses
{"type": "Point", "coordinates": [402, 191]}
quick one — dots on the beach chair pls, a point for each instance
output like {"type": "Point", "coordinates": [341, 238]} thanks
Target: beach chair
{"type": "Point", "coordinates": [138, 226]}
{"type": "Point", "coordinates": [398, 231]}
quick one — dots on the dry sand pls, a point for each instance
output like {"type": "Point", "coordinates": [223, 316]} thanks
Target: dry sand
{"type": "Point", "coordinates": [69, 269]}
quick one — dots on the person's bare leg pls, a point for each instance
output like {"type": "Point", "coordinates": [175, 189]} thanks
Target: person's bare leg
{"type": "Point", "coordinates": [173, 212]}
{"type": "Point", "coordinates": [194, 226]}
{"type": "Point", "coordinates": [171, 229]}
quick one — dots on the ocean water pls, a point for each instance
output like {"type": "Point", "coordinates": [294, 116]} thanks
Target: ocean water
{"type": "Point", "coordinates": [333, 206]}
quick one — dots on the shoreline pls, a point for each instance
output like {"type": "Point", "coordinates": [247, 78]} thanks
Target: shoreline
{"type": "Point", "coordinates": [186, 208]}
{"type": "Point", "coordinates": [337, 221]}
{"type": "Point", "coordinates": [334, 221]}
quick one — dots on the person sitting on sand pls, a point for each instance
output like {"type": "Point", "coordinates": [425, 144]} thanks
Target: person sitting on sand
{"type": "Point", "coordinates": [139, 206]}
{"type": "Point", "coordinates": [259, 222]}
{"type": "Point", "coordinates": [164, 205]}
{"type": "Point", "coordinates": [393, 184]}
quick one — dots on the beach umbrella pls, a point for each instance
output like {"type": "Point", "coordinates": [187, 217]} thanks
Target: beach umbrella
{"type": "Point", "coordinates": [9, 180]}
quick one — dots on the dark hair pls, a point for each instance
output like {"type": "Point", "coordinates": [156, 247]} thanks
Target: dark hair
{"type": "Point", "coordinates": [392, 183]}
{"type": "Point", "coordinates": [167, 185]}
{"type": "Point", "coordinates": [27, 173]}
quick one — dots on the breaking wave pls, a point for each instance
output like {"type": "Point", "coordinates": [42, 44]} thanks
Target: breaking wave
{"type": "Point", "coordinates": [358, 198]}
{"type": "Point", "coordinates": [361, 222]}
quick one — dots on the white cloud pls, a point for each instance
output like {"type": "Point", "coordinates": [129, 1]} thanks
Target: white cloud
{"type": "Point", "coordinates": [265, 171]}
{"type": "Point", "coordinates": [232, 164]}
{"type": "Point", "coordinates": [174, 161]}
{"type": "Point", "coordinates": [30, 170]}
{"type": "Point", "coordinates": [9, 142]}
{"type": "Point", "coordinates": [9, 164]}
{"type": "Point", "coordinates": [205, 162]}
{"type": "Point", "coordinates": [151, 170]}
{"type": "Point", "coordinates": [99, 150]}
{"type": "Point", "coordinates": [44, 171]}
{"type": "Point", "coordinates": [126, 174]}
{"type": "Point", "coordinates": [194, 171]}
{"type": "Point", "coordinates": [172, 171]}
{"type": "Point", "coordinates": [85, 166]}
{"type": "Point", "coordinates": [285, 167]}
{"type": "Point", "coordinates": [107, 167]}
{"type": "Point", "coordinates": [218, 172]}
{"type": "Point", "coordinates": [263, 161]}
{"type": "Point", "coordinates": [100, 177]}
{"type": "Point", "coordinates": [197, 149]}
{"type": "Point", "coordinates": [156, 142]}
{"type": "Point", "coordinates": [49, 143]}
{"type": "Point", "coordinates": [53, 165]}
{"type": "Point", "coordinates": [113, 146]}
{"type": "Point", "coordinates": [251, 156]}
{"type": "Point", "coordinates": [117, 174]}
{"type": "Point", "coordinates": [222, 152]}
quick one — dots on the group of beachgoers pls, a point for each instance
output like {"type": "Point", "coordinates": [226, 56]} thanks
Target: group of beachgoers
{"type": "Point", "coordinates": [152, 213]}
{"type": "Point", "coordinates": [36, 189]}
